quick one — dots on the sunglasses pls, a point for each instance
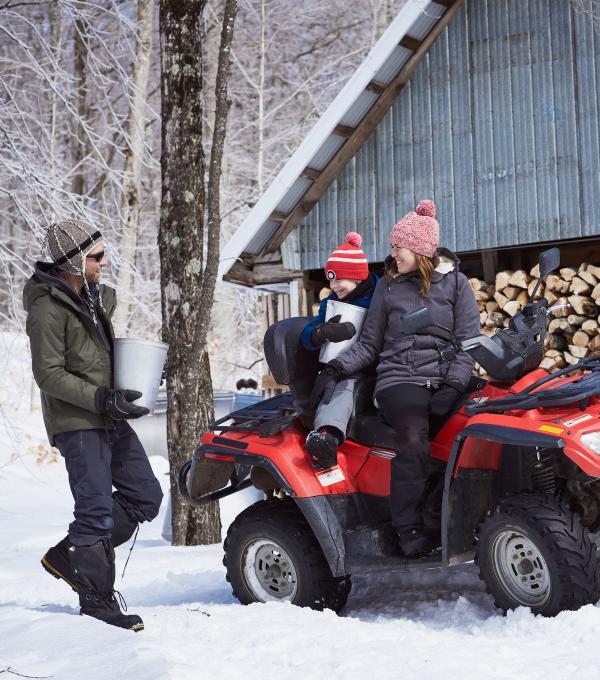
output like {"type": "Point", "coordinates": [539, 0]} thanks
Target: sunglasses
{"type": "Point", "coordinates": [96, 256]}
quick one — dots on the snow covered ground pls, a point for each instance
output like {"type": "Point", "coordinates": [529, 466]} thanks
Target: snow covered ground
{"type": "Point", "coordinates": [437, 625]}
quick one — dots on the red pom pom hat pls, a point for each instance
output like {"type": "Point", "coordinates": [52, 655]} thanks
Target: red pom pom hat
{"type": "Point", "coordinates": [418, 231]}
{"type": "Point", "coordinates": [348, 261]}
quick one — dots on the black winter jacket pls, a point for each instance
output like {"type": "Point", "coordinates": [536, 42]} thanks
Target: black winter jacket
{"type": "Point", "coordinates": [453, 307]}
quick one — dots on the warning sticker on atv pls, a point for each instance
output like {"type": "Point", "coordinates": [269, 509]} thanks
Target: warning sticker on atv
{"type": "Point", "coordinates": [575, 421]}
{"type": "Point", "coordinates": [332, 476]}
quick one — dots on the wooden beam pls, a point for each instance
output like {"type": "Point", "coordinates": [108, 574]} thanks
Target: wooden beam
{"type": "Point", "coordinates": [360, 134]}
{"type": "Point", "coordinates": [273, 273]}
{"type": "Point", "coordinates": [376, 87]}
{"type": "Point", "coordinates": [241, 274]}
{"type": "Point", "coordinates": [277, 216]}
{"type": "Point", "coordinates": [489, 264]}
{"type": "Point", "coordinates": [410, 43]}
{"type": "Point", "coordinates": [255, 274]}
{"type": "Point", "coordinates": [311, 173]}
{"type": "Point", "coordinates": [344, 131]}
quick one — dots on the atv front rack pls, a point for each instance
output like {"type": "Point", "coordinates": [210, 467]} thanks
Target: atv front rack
{"type": "Point", "coordinates": [267, 417]}
{"type": "Point", "coordinates": [580, 390]}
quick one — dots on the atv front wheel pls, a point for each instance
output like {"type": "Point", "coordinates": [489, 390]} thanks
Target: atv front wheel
{"type": "Point", "coordinates": [534, 552]}
{"type": "Point", "coordinates": [271, 554]}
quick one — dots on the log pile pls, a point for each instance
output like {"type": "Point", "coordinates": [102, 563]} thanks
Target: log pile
{"type": "Point", "coordinates": [573, 295]}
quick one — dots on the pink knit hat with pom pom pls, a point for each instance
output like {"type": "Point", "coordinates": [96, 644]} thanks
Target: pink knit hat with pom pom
{"type": "Point", "coordinates": [419, 231]}
{"type": "Point", "coordinates": [348, 261]}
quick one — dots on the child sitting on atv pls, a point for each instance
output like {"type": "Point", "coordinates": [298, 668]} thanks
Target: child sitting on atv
{"type": "Point", "coordinates": [348, 275]}
{"type": "Point", "coordinates": [418, 274]}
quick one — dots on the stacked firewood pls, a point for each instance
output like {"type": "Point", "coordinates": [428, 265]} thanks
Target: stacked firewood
{"type": "Point", "coordinates": [573, 295]}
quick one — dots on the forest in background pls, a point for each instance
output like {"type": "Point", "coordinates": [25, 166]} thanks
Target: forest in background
{"type": "Point", "coordinates": [80, 136]}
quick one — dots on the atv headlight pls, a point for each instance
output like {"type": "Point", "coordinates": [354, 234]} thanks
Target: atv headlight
{"type": "Point", "coordinates": [592, 440]}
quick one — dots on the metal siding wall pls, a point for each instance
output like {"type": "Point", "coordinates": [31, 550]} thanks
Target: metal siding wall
{"type": "Point", "coordinates": [461, 114]}
{"type": "Point", "coordinates": [499, 125]}
{"type": "Point", "coordinates": [565, 119]}
{"type": "Point", "coordinates": [385, 205]}
{"type": "Point", "coordinates": [587, 49]}
{"type": "Point", "coordinates": [328, 232]}
{"type": "Point", "coordinates": [544, 161]}
{"type": "Point", "coordinates": [369, 207]}
{"type": "Point", "coordinates": [519, 28]}
{"type": "Point", "coordinates": [403, 169]}
{"type": "Point", "coordinates": [422, 137]}
{"type": "Point", "coordinates": [441, 141]}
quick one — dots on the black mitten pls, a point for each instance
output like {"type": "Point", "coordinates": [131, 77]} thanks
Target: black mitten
{"type": "Point", "coordinates": [333, 330]}
{"type": "Point", "coordinates": [325, 384]}
{"type": "Point", "coordinates": [444, 399]}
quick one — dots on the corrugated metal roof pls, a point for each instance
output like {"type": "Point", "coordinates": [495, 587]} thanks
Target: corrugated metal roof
{"type": "Point", "coordinates": [398, 57]}
{"type": "Point", "coordinates": [499, 124]}
{"type": "Point", "coordinates": [415, 20]}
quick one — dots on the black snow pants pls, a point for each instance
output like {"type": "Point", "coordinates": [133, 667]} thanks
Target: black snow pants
{"type": "Point", "coordinates": [406, 408]}
{"type": "Point", "coordinates": [97, 461]}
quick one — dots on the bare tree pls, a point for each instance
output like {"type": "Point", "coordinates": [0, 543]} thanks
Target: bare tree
{"type": "Point", "coordinates": [190, 215]}
{"type": "Point", "coordinates": [131, 201]}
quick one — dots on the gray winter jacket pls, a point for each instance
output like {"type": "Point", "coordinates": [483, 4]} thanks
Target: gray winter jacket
{"type": "Point", "coordinates": [382, 339]}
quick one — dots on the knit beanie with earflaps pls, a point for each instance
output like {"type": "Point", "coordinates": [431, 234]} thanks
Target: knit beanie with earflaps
{"type": "Point", "coordinates": [348, 261]}
{"type": "Point", "coordinates": [68, 243]}
{"type": "Point", "coordinates": [418, 231]}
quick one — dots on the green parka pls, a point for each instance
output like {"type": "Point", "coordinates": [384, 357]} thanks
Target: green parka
{"type": "Point", "coordinates": [70, 356]}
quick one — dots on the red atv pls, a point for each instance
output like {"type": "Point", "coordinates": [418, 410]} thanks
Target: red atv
{"type": "Point", "coordinates": [515, 481]}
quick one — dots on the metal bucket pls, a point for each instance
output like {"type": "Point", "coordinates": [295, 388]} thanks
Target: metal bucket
{"type": "Point", "coordinates": [356, 315]}
{"type": "Point", "coordinates": [138, 366]}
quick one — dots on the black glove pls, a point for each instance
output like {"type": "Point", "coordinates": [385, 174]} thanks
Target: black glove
{"type": "Point", "coordinates": [332, 330]}
{"type": "Point", "coordinates": [444, 399]}
{"type": "Point", "coordinates": [117, 403]}
{"type": "Point", "coordinates": [325, 384]}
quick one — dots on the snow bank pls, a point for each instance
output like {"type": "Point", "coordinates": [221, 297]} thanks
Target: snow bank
{"type": "Point", "coordinates": [435, 625]}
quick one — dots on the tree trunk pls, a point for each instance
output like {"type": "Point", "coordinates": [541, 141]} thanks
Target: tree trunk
{"type": "Point", "coordinates": [187, 278]}
{"type": "Point", "coordinates": [131, 201]}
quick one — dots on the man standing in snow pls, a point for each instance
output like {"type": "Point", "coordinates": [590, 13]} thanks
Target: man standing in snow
{"type": "Point", "coordinates": [71, 339]}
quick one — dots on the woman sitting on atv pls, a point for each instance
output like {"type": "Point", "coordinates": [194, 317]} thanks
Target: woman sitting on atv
{"type": "Point", "coordinates": [417, 274]}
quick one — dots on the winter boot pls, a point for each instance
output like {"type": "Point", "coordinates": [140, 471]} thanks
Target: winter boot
{"type": "Point", "coordinates": [56, 563]}
{"type": "Point", "coordinates": [123, 524]}
{"type": "Point", "coordinates": [56, 560]}
{"type": "Point", "coordinates": [413, 541]}
{"type": "Point", "coordinates": [322, 445]}
{"type": "Point", "coordinates": [94, 567]}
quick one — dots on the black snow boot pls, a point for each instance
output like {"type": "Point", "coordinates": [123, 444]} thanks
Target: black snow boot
{"type": "Point", "coordinates": [123, 524]}
{"type": "Point", "coordinates": [413, 541]}
{"type": "Point", "coordinates": [94, 567]}
{"type": "Point", "coordinates": [56, 560]}
{"type": "Point", "coordinates": [56, 563]}
{"type": "Point", "coordinates": [323, 447]}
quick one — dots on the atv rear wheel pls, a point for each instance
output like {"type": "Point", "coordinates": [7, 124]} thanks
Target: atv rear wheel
{"type": "Point", "coordinates": [271, 554]}
{"type": "Point", "coordinates": [534, 552]}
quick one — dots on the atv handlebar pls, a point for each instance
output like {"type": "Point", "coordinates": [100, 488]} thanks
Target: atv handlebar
{"type": "Point", "coordinates": [526, 331]}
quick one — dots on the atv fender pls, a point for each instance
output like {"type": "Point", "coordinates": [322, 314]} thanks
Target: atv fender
{"type": "Point", "coordinates": [469, 488]}
{"type": "Point", "coordinates": [325, 525]}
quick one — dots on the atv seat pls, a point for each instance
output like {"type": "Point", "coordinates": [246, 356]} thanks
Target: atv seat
{"type": "Point", "coordinates": [368, 427]}
{"type": "Point", "coordinates": [293, 365]}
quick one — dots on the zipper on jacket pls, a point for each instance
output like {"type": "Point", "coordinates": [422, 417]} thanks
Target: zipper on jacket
{"type": "Point", "coordinates": [428, 383]}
